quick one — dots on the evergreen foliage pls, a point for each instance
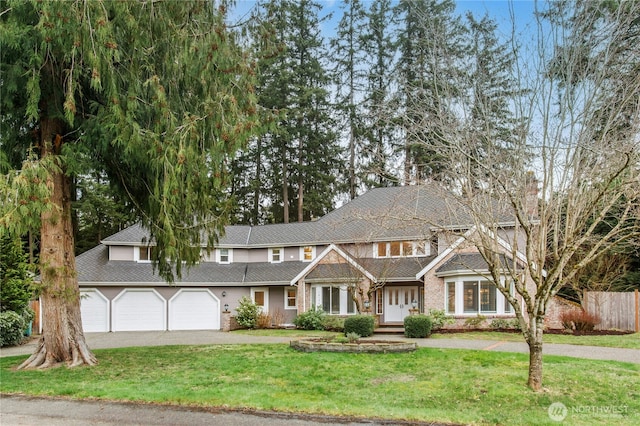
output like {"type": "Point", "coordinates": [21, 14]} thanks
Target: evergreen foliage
{"type": "Point", "coordinates": [156, 96]}
{"type": "Point", "coordinates": [290, 173]}
{"type": "Point", "coordinates": [362, 325]}
{"type": "Point", "coordinates": [313, 319]}
{"type": "Point", "coordinates": [248, 313]}
{"type": "Point", "coordinates": [16, 280]}
{"type": "Point", "coordinates": [417, 326]}
{"type": "Point", "coordinates": [12, 326]}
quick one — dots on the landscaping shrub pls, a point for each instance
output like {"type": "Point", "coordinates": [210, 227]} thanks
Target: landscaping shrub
{"type": "Point", "coordinates": [277, 318]}
{"type": "Point", "coordinates": [439, 319]}
{"type": "Point", "coordinates": [475, 322]}
{"type": "Point", "coordinates": [360, 324]}
{"type": "Point", "coordinates": [263, 320]}
{"type": "Point", "coordinates": [313, 319]}
{"type": "Point", "coordinates": [333, 323]}
{"type": "Point", "coordinates": [12, 326]}
{"type": "Point", "coordinates": [352, 337]}
{"type": "Point", "coordinates": [417, 326]}
{"type": "Point", "coordinates": [579, 321]}
{"type": "Point", "coordinates": [248, 312]}
{"type": "Point", "coordinates": [505, 324]}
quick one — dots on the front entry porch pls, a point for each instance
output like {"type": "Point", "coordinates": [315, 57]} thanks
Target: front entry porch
{"type": "Point", "coordinates": [397, 303]}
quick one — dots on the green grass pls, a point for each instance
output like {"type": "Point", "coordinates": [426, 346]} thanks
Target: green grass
{"type": "Point", "coordinates": [458, 386]}
{"type": "Point", "coordinates": [630, 341]}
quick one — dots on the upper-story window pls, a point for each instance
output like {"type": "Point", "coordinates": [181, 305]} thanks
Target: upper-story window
{"type": "Point", "coordinates": [307, 253]}
{"type": "Point", "coordinates": [224, 255]}
{"type": "Point", "coordinates": [276, 254]}
{"type": "Point", "coordinates": [399, 249]}
{"type": "Point", "coordinates": [145, 254]}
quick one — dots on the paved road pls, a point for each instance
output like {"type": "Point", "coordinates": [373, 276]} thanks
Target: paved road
{"type": "Point", "coordinates": [163, 338]}
{"type": "Point", "coordinates": [22, 411]}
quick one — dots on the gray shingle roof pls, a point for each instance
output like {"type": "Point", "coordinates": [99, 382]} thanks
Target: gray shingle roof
{"type": "Point", "coordinates": [405, 212]}
{"type": "Point", "coordinates": [94, 267]}
{"type": "Point", "coordinates": [469, 262]}
{"type": "Point", "coordinates": [395, 269]}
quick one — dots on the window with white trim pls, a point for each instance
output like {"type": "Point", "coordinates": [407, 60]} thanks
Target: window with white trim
{"type": "Point", "coordinates": [333, 299]}
{"type": "Point", "coordinates": [290, 301]}
{"type": "Point", "coordinates": [379, 301]}
{"type": "Point", "coordinates": [307, 253]}
{"type": "Point", "coordinates": [276, 254]}
{"type": "Point", "coordinates": [145, 254]}
{"type": "Point", "coordinates": [260, 296]}
{"type": "Point", "coordinates": [400, 249]}
{"type": "Point", "coordinates": [474, 296]}
{"type": "Point", "coordinates": [224, 255]}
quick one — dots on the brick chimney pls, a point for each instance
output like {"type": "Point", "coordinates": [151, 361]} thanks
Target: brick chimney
{"type": "Point", "coordinates": [531, 200]}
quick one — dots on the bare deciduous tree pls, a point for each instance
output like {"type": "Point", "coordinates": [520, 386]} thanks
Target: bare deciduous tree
{"type": "Point", "coordinates": [573, 165]}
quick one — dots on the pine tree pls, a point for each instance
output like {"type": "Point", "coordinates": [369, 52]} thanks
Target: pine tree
{"type": "Point", "coordinates": [157, 94]}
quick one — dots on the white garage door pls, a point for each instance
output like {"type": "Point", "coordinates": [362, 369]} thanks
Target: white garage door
{"type": "Point", "coordinates": [194, 309]}
{"type": "Point", "coordinates": [94, 308]}
{"type": "Point", "coordinates": [139, 310]}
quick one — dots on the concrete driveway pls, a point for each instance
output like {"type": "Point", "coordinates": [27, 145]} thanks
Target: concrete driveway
{"type": "Point", "coordinates": [163, 338]}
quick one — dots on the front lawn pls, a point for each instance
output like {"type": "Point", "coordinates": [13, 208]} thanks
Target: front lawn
{"type": "Point", "coordinates": [458, 386]}
{"type": "Point", "coordinates": [630, 341]}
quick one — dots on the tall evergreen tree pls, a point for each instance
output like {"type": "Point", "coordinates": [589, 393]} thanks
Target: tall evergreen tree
{"type": "Point", "coordinates": [431, 49]}
{"type": "Point", "coordinates": [301, 157]}
{"type": "Point", "coordinates": [158, 94]}
{"type": "Point", "coordinates": [379, 129]}
{"type": "Point", "coordinates": [348, 57]}
{"type": "Point", "coordinates": [488, 88]}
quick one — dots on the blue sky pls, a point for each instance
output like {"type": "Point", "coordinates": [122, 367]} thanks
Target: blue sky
{"type": "Point", "coordinates": [499, 10]}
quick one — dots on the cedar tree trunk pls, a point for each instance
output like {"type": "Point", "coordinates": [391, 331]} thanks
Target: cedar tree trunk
{"type": "Point", "coordinates": [62, 337]}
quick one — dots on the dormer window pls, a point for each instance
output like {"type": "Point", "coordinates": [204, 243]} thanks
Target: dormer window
{"type": "Point", "coordinates": [276, 254]}
{"type": "Point", "coordinates": [308, 253]}
{"type": "Point", "coordinates": [145, 254]}
{"type": "Point", "coordinates": [224, 255]}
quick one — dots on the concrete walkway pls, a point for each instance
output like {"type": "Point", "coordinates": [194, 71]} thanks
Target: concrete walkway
{"type": "Point", "coordinates": [163, 338]}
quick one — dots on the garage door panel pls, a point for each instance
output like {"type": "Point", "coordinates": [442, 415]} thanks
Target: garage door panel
{"type": "Point", "coordinates": [194, 310]}
{"type": "Point", "coordinates": [94, 309]}
{"type": "Point", "coordinates": [139, 310]}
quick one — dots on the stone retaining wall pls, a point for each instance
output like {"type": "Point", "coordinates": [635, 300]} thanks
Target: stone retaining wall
{"type": "Point", "coordinates": [363, 347]}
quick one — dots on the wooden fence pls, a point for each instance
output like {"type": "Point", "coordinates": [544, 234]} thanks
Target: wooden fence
{"type": "Point", "coordinates": [617, 311]}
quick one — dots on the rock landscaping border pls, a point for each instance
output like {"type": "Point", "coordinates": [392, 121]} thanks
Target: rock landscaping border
{"type": "Point", "coordinates": [365, 346]}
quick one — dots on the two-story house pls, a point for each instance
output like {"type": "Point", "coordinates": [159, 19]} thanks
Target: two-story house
{"type": "Point", "coordinates": [385, 252]}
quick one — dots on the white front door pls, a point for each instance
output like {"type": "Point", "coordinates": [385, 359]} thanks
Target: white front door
{"type": "Point", "coordinates": [397, 302]}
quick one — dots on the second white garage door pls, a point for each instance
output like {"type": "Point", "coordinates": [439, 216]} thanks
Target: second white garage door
{"type": "Point", "coordinates": [139, 310]}
{"type": "Point", "coordinates": [194, 309]}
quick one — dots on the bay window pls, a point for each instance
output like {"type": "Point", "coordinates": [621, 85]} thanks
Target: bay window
{"type": "Point", "coordinates": [474, 296]}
